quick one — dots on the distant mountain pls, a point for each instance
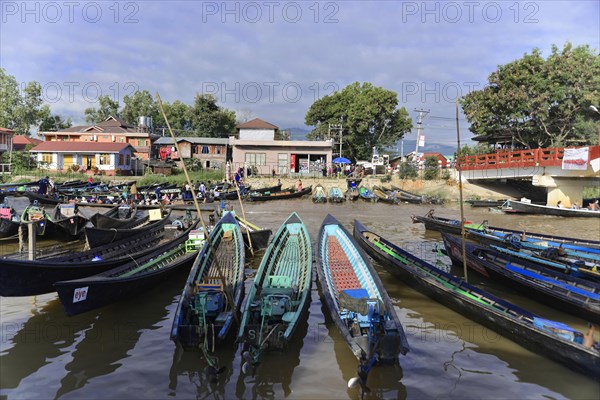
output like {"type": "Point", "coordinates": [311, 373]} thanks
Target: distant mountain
{"type": "Point", "coordinates": [409, 146]}
{"type": "Point", "coordinates": [298, 133]}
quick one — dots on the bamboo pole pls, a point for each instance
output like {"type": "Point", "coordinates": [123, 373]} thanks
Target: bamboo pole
{"type": "Point", "coordinates": [199, 211]}
{"type": "Point", "coordinates": [462, 213]}
{"type": "Point", "coordinates": [237, 189]}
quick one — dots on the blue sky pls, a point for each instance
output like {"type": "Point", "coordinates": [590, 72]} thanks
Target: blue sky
{"type": "Point", "coordinates": [273, 59]}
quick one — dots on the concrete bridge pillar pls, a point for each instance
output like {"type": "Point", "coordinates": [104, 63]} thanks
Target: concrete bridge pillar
{"type": "Point", "coordinates": [566, 190]}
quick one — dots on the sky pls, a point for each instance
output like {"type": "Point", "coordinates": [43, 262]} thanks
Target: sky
{"type": "Point", "coordinates": [273, 59]}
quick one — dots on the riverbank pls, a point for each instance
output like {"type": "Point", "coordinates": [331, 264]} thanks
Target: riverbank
{"type": "Point", "coordinates": [446, 190]}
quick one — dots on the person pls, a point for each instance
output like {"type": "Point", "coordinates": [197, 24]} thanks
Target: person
{"type": "Point", "coordinates": [50, 187]}
{"type": "Point", "coordinates": [594, 206]}
{"type": "Point", "coordinates": [133, 191]}
{"type": "Point", "coordinates": [559, 204]}
{"type": "Point", "coordinates": [237, 178]}
{"type": "Point", "coordinates": [588, 338]}
{"type": "Point", "coordinates": [125, 190]}
{"type": "Point", "coordinates": [157, 192]}
{"type": "Point", "coordinates": [278, 182]}
{"type": "Point", "coordinates": [299, 185]}
{"type": "Point", "coordinates": [575, 206]}
{"type": "Point", "coordinates": [202, 189]}
{"type": "Point", "coordinates": [90, 181]}
{"type": "Point", "coordinates": [43, 185]}
{"type": "Point", "coordinates": [273, 173]}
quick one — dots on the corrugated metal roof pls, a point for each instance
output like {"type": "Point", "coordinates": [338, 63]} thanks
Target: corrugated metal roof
{"type": "Point", "coordinates": [256, 123]}
{"type": "Point", "coordinates": [192, 139]}
{"type": "Point", "coordinates": [80, 147]}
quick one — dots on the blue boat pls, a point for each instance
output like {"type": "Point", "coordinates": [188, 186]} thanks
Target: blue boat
{"type": "Point", "coordinates": [357, 301]}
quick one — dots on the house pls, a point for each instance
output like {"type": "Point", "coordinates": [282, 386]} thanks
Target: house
{"type": "Point", "coordinates": [6, 140]}
{"type": "Point", "coordinates": [257, 130]}
{"type": "Point", "coordinates": [211, 152]}
{"type": "Point", "coordinates": [89, 157]}
{"type": "Point", "coordinates": [20, 142]}
{"type": "Point", "coordinates": [442, 161]}
{"type": "Point", "coordinates": [257, 149]}
{"type": "Point", "coordinates": [111, 130]}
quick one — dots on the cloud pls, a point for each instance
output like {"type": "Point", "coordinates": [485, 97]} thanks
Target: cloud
{"type": "Point", "coordinates": [277, 58]}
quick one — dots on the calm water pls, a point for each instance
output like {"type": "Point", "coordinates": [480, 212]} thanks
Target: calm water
{"type": "Point", "coordinates": [123, 351]}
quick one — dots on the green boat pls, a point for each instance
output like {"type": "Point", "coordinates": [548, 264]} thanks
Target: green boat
{"type": "Point", "coordinates": [212, 296]}
{"type": "Point", "coordinates": [280, 292]}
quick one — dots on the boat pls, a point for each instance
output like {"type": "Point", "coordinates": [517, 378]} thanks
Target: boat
{"type": "Point", "coordinates": [486, 203]}
{"type": "Point", "coordinates": [409, 197]}
{"type": "Point", "coordinates": [37, 215]}
{"type": "Point", "coordinates": [100, 236]}
{"type": "Point", "coordinates": [352, 194]}
{"type": "Point", "coordinates": [523, 327]}
{"type": "Point", "coordinates": [33, 277]}
{"type": "Point", "coordinates": [357, 300]}
{"type": "Point", "coordinates": [441, 224]}
{"type": "Point", "coordinates": [259, 237]}
{"type": "Point", "coordinates": [42, 198]}
{"type": "Point", "coordinates": [270, 189]}
{"type": "Point", "coordinates": [10, 215]}
{"type": "Point", "coordinates": [319, 195]}
{"type": "Point", "coordinates": [366, 194]}
{"type": "Point", "coordinates": [335, 195]}
{"type": "Point", "coordinates": [385, 196]}
{"type": "Point", "coordinates": [125, 217]}
{"type": "Point", "coordinates": [65, 222]}
{"type": "Point", "coordinates": [289, 193]}
{"type": "Point", "coordinates": [211, 299]}
{"type": "Point", "coordinates": [530, 208]}
{"type": "Point", "coordinates": [558, 290]}
{"type": "Point", "coordinates": [280, 294]}
{"type": "Point", "coordinates": [137, 276]}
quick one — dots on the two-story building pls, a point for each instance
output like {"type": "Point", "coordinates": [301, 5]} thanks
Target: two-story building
{"type": "Point", "coordinates": [255, 147]}
{"type": "Point", "coordinates": [111, 130]}
{"type": "Point", "coordinates": [211, 152]}
{"type": "Point", "coordinates": [6, 138]}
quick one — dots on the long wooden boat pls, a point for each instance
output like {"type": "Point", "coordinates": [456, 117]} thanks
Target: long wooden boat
{"type": "Point", "coordinates": [281, 195]}
{"type": "Point", "coordinates": [530, 208]}
{"type": "Point", "coordinates": [385, 196]}
{"type": "Point", "coordinates": [319, 195]}
{"type": "Point", "coordinates": [36, 214]}
{"type": "Point", "coordinates": [259, 237]}
{"type": "Point", "coordinates": [42, 198]}
{"type": "Point", "coordinates": [100, 236]}
{"type": "Point", "coordinates": [352, 194]}
{"type": "Point", "coordinates": [521, 326]}
{"type": "Point", "coordinates": [269, 189]}
{"type": "Point", "coordinates": [409, 197]}
{"type": "Point", "coordinates": [441, 224]}
{"type": "Point", "coordinates": [135, 277]}
{"type": "Point", "coordinates": [335, 195]}
{"type": "Point", "coordinates": [64, 222]}
{"type": "Point", "coordinates": [10, 215]}
{"type": "Point", "coordinates": [573, 295]}
{"type": "Point", "coordinates": [357, 300]}
{"type": "Point", "coordinates": [213, 293]}
{"type": "Point", "coordinates": [486, 203]}
{"type": "Point", "coordinates": [280, 294]}
{"type": "Point", "coordinates": [124, 218]}
{"type": "Point", "coordinates": [33, 277]}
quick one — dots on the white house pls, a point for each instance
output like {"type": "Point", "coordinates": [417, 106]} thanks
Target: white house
{"type": "Point", "coordinates": [91, 157]}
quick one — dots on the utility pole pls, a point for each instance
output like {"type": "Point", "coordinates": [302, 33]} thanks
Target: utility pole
{"type": "Point", "coordinates": [337, 127]}
{"type": "Point", "coordinates": [422, 114]}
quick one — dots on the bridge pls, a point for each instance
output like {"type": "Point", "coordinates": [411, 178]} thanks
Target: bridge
{"type": "Point", "coordinates": [563, 176]}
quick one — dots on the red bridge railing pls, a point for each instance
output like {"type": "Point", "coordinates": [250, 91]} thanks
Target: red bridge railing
{"type": "Point", "coordinates": [551, 157]}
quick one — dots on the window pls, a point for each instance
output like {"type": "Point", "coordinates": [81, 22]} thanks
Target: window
{"type": "Point", "coordinates": [282, 163]}
{"type": "Point", "coordinates": [204, 149]}
{"type": "Point", "coordinates": [218, 148]}
{"type": "Point", "coordinates": [121, 139]}
{"type": "Point", "coordinates": [121, 159]}
{"type": "Point", "coordinates": [141, 142]}
{"type": "Point", "coordinates": [256, 158]}
{"type": "Point", "coordinates": [128, 160]}
{"type": "Point", "coordinates": [47, 158]}
{"type": "Point", "coordinates": [104, 159]}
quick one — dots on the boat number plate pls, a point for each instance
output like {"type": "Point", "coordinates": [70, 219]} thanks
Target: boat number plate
{"type": "Point", "coordinates": [80, 294]}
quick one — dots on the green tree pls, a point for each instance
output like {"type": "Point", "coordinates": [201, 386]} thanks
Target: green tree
{"type": "Point", "coordinates": [207, 119]}
{"type": "Point", "coordinates": [140, 104]}
{"type": "Point", "coordinates": [539, 102]}
{"type": "Point", "coordinates": [178, 114]}
{"type": "Point", "coordinates": [368, 114]}
{"type": "Point", "coordinates": [407, 171]}
{"type": "Point", "coordinates": [20, 112]}
{"type": "Point", "coordinates": [106, 107]}
{"type": "Point", "coordinates": [55, 123]}
{"type": "Point", "coordinates": [430, 168]}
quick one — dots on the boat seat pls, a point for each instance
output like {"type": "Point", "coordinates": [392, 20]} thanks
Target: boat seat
{"type": "Point", "coordinates": [288, 317]}
{"type": "Point", "coordinates": [280, 281]}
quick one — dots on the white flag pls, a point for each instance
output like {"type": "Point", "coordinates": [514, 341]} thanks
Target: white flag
{"type": "Point", "coordinates": [421, 140]}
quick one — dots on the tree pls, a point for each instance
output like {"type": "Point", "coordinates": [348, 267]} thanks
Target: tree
{"type": "Point", "coordinates": [208, 119]}
{"type": "Point", "coordinates": [55, 123]}
{"type": "Point", "coordinates": [20, 112]}
{"type": "Point", "coordinates": [141, 104]}
{"type": "Point", "coordinates": [107, 107]}
{"type": "Point", "coordinates": [368, 114]}
{"type": "Point", "coordinates": [539, 102]}
{"type": "Point", "coordinates": [430, 168]}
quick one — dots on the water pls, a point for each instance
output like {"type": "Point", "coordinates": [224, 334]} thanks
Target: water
{"type": "Point", "coordinates": [124, 351]}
